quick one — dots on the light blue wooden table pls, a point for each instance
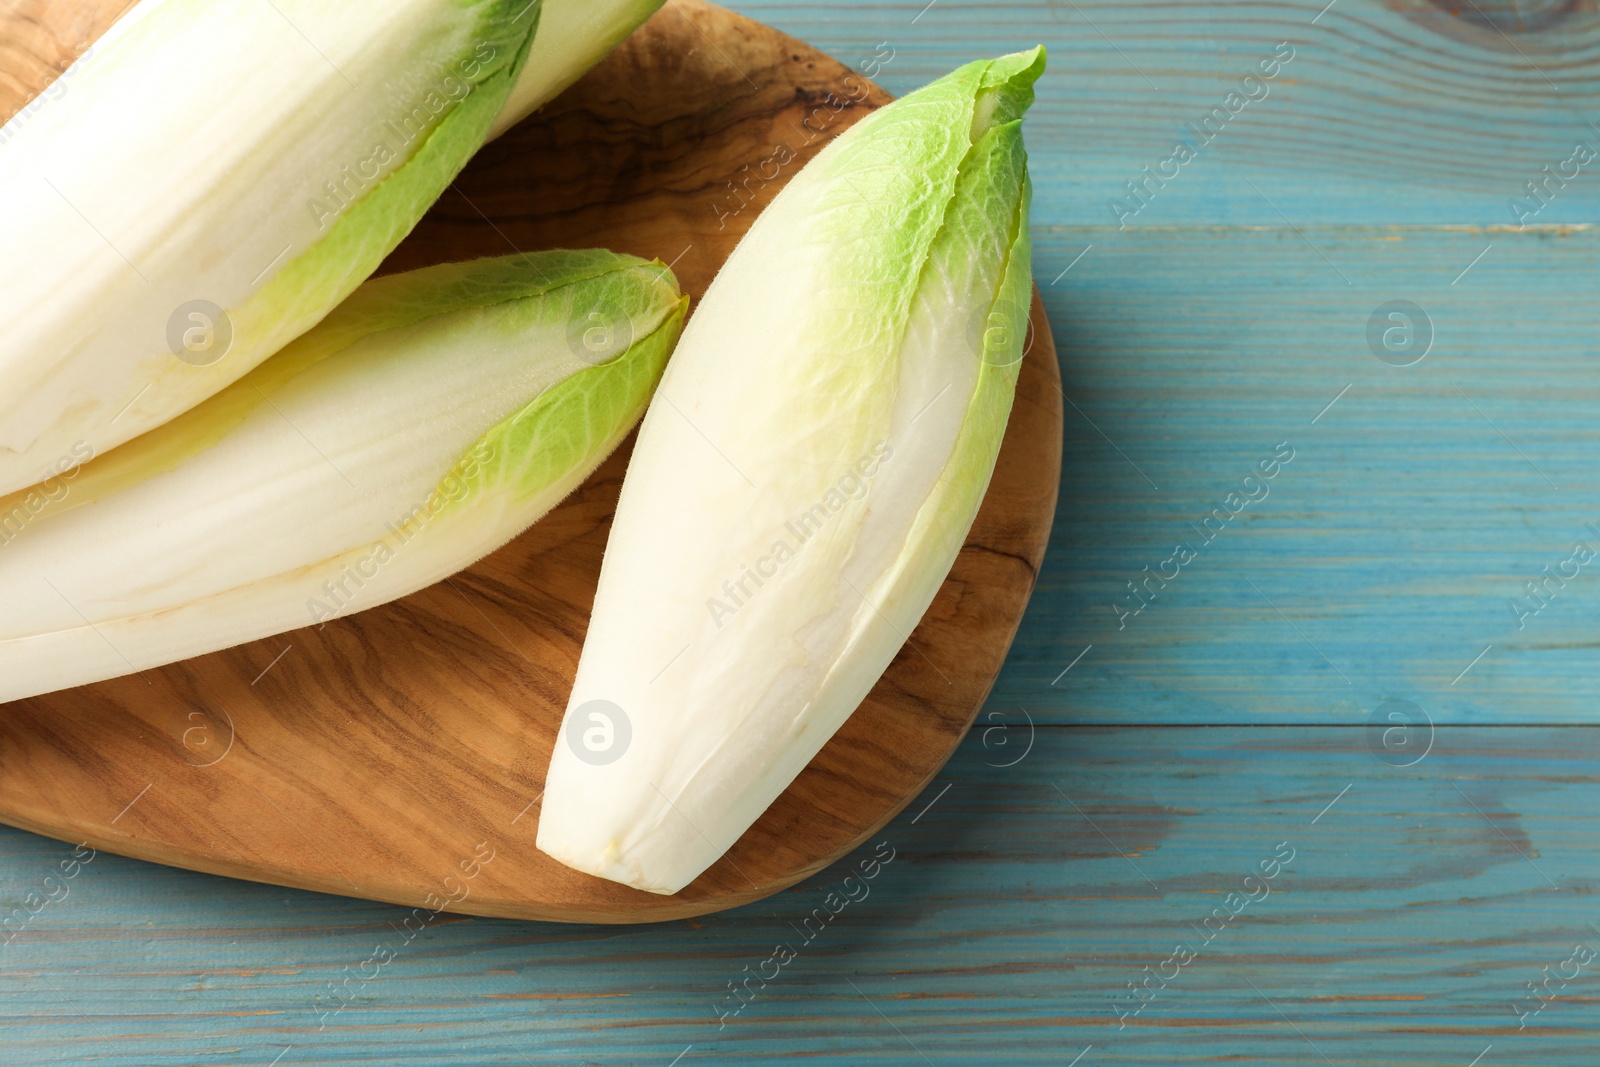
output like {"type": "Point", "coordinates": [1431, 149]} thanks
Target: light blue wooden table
{"type": "Point", "coordinates": [1337, 690]}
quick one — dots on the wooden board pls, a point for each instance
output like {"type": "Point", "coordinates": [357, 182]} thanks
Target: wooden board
{"type": "Point", "coordinates": [385, 755]}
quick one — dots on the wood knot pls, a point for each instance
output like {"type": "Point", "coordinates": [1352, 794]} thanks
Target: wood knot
{"type": "Point", "coordinates": [1515, 17]}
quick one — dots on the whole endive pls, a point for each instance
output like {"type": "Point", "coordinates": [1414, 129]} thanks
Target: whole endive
{"type": "Point", "coordinates": [211, 179]}
{"type": "Point", "coordinates": [803, 481]}
{"type": "Point", "coordinates": [428, 420]}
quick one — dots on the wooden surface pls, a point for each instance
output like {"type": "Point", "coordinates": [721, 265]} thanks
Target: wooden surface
{"type": "Point", "coordinates": [400, 753]}
{"type": "Point", "coordinates": [1416, 910]}
{"type": "Point", "coordinates": [1004, 930]}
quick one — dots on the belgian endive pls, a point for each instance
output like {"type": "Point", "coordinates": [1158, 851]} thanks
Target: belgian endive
{"type": "Point", "coordinates": [803, 480]}
{"type": "Point", "coordinates": [210, 179]}
{"type": "Point", "coordinates": [425, 422]}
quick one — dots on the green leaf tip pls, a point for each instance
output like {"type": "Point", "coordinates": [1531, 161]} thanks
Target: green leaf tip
{"type": "Point", "coordinates": [1004, 87]}
{"type": "Point", "coordinates": [566, 426]}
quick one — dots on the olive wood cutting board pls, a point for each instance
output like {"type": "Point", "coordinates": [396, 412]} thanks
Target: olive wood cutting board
{"type": "Point", "coordinates": [399, 754]}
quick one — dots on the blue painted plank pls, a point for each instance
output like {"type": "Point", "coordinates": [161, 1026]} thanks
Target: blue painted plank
{"type": "Point", "coordinates": [1407, 909]}
{"type": "Point", "coordinates": [1399, 113]}
{"type": "Point", "coordinates": [1397, 544]}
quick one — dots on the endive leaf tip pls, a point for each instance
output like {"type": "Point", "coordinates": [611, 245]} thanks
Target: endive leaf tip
{"type": "Point", "coordinates": [521, 450]}
{"type": "Point", "coordinates": [1005, 89]}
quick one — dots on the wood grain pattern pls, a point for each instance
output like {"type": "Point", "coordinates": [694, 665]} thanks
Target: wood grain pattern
{"type": "Point", "coordinates": [41, 38]}
{"type": "Point", "coordinates": [383, 755]}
